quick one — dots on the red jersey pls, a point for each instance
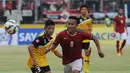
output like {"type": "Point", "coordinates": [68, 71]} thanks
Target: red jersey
{"type": "Point", "coordinates": [71, 44]}
{"type": "Point", "coordinates": [120, 23]}
{"type": "Point", "coordinates": [9, 5]}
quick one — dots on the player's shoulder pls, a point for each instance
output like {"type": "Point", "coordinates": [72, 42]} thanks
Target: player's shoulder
{"type": "Point", "coordinates": [116, 16]}
{"type": "Point", "coordinates": [39, 37]}
{"type": "Point", "coordinates": [43, 37]}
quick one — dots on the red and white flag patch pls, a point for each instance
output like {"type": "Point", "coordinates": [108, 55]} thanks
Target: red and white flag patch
{"type": "Point", "coordinates": [37, 41]}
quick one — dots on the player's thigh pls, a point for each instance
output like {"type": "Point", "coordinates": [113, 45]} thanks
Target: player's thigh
{"type": "Point", "coordinates": [77, 65]}
{"type": "Point", "coordinates": [118, 36]}
{"type": "Point", "coordinates": [86, 45]}
{"type": "Point", "coordinates": [33, 70]}
{"type": "Point", "coordinates": [124, 36]}
{"type": "Point", "coordinates": [67, 68]}
{"type": "Point", "coordinates": [46, 69]}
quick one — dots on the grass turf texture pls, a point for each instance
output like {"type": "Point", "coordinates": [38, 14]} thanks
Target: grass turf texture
{"type": "Point", "coordinates": [13, 60]}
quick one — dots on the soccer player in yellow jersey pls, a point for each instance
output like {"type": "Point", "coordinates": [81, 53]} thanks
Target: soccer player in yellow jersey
{"type": "Point", "coordinates": [37, 60]}
{"type": "Point", "coordinates": [85, 24]}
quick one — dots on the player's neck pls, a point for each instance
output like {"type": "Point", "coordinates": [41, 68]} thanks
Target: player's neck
{"type": "Point", "coordinates": [47, 36]}
{"type": "Point", "coordinates": [72, 33]}
{"type": "Point", "coordinates": [84, 16]}
{"type": "Point", "coordinates": [120, 15]}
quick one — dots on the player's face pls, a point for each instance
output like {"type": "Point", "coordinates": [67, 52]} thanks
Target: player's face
{"type": "Point", "coordinates": [120, 11]}
{"type": "Point", "coordinates": [49, 30]}
{"type": "Point", "coordinates": [71, 25]}
{"type": "Point", "coordinates": [84, 11]}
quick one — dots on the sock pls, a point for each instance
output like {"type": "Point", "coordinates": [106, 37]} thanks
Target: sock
{"type": "Point", "coordinates": [86, 63]}
{"type": "Point", "coordinates": [117, 46]}
{"type": "Point", "coordinates": [123, 44]}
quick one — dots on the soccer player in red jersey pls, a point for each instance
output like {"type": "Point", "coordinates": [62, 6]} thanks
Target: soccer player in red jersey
{"type": "Point", "coordinates": [71, 42]}
{"type": "Point", "coordinates": [121, 30]}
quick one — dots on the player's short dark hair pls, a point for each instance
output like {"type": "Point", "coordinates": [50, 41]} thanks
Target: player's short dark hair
{"type": "Point", "coordinates": [49, 22]}
{"type": "Point", "coordinates": [74, 17]}
{"type": "Point", "coordinates": [84, 5]}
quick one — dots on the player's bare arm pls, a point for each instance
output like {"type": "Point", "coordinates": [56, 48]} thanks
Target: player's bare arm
{"type": "Point", "coordinates": [52, 47]}
{"type": "Point", "coordinates": [90, 29]}
{"type": "Point", "coordinates": [58, 54]}
{"type": "Point", "coordinates": [126, 29]}
{"type": "Point", "coordinates": [86, 52]}
{"type": "Point", "coordinates": [96, 41]}
{"type": "Point", "coordinates": [30, 47]}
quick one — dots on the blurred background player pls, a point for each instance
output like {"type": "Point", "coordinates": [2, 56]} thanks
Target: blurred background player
{"type": "Point", "coordinates": [71, 43]}
{"type": "Point", "coordinates": [37, 48]}
{"type": "Point", "coordinates": [120, 29]}
{"type": "Point", "coordinates": [85, 24]}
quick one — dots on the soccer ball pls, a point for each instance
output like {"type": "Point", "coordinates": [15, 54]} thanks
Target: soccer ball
{"type": "Point", "coordinates": [11, 26]}
{"type": "Point", "coordinates": [107, 22]}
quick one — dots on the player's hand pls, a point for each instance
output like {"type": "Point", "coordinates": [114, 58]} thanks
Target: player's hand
{"type": "Point", "coordinates": [87, 53]}
{"type": "Point", "coordinates": [34, 63]}
{"type": "Point", "coordinates": [47, 50]}
{"type": "Point", "coordinates": [101, 54]}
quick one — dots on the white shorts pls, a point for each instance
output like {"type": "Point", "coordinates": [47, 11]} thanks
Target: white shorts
{"type": "Point", "coordinates": [75, 65]}
{"type": "Point", "coordinates": [121, 36]}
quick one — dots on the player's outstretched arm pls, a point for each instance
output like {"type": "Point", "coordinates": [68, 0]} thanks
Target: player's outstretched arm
{"type": "Point", "coordinates": [96, 41]}
{"type": "Point", "coordinates": [52, 47]}
{"type": "Point", "coordinates": [30, 49]}
{"type": "Point", "coordinates": [58, 54]}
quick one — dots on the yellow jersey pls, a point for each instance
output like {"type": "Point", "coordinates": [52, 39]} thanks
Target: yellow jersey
{"type": "Point", "coordinates": [41, 43]}
{"type": "Point", "coordinates": [85, 25]}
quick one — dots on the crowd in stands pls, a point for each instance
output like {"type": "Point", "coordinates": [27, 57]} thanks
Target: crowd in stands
{"type": "Point", "coordinates": [58, 6]}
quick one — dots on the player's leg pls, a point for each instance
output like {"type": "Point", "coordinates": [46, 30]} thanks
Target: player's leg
{"type": "Point", "coordinates": [87, 48]}
{"type": "Point", "coordinates": [118, 43]}
{"type": "Point", "coordinates": [67, 68]}
{"type": "Point", "coordinates": [46, 69]}
{"type": "Point", "coordinates": [123, 37]}
{"type": "Point", "coordinates": [33, 70]}
{"type": "Point", "coordinates": [77, 66]}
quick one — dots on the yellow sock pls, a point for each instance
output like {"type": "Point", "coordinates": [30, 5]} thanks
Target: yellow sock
{"type": "Point", "coordinates": [86, 64]}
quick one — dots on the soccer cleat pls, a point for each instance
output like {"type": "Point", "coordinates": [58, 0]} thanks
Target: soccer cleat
{"type": "Point", "coordinates": [118, 54]}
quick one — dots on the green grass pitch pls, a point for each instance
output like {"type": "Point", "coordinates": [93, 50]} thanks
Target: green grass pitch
{"type": "Point", "coordinates": [13, 60]}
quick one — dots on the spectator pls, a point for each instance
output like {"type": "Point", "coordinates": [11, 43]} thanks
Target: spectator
{"type": "Point", "coordinates": [1, 12]}
{"type": "Point", "coordinates": [9, 6]}
{"type": "Point", "coordinates": [31, 5]}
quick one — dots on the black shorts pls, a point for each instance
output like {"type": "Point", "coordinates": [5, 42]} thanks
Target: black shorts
{"type": "Point", "coordinates": [86, 45]}
{"type": "Point", "coordinates": [43, 69]}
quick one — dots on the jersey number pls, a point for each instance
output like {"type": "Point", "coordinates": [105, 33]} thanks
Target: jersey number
{"type": "Point", "coordinates": [71, 44]}
{"type": "Point", "coordinates": [121, 21]}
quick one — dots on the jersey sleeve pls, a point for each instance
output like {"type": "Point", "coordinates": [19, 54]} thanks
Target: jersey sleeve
{"type": "Point", "coordinates": [90, 23]}
{"type": "Point", "coordinates": [115, 18]}
{"type": "Point", "coordinates": [54, 50]}
{"type": "Point", "coordinates": [87, 35]}
{"type": "Point", "coordinates": [37, 42]}
{"type": "Point", "coordinates": [49, 44]}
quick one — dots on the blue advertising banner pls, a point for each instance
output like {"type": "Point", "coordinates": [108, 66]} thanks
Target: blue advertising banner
{"type": "Point", "coordinates": [27, 35]}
